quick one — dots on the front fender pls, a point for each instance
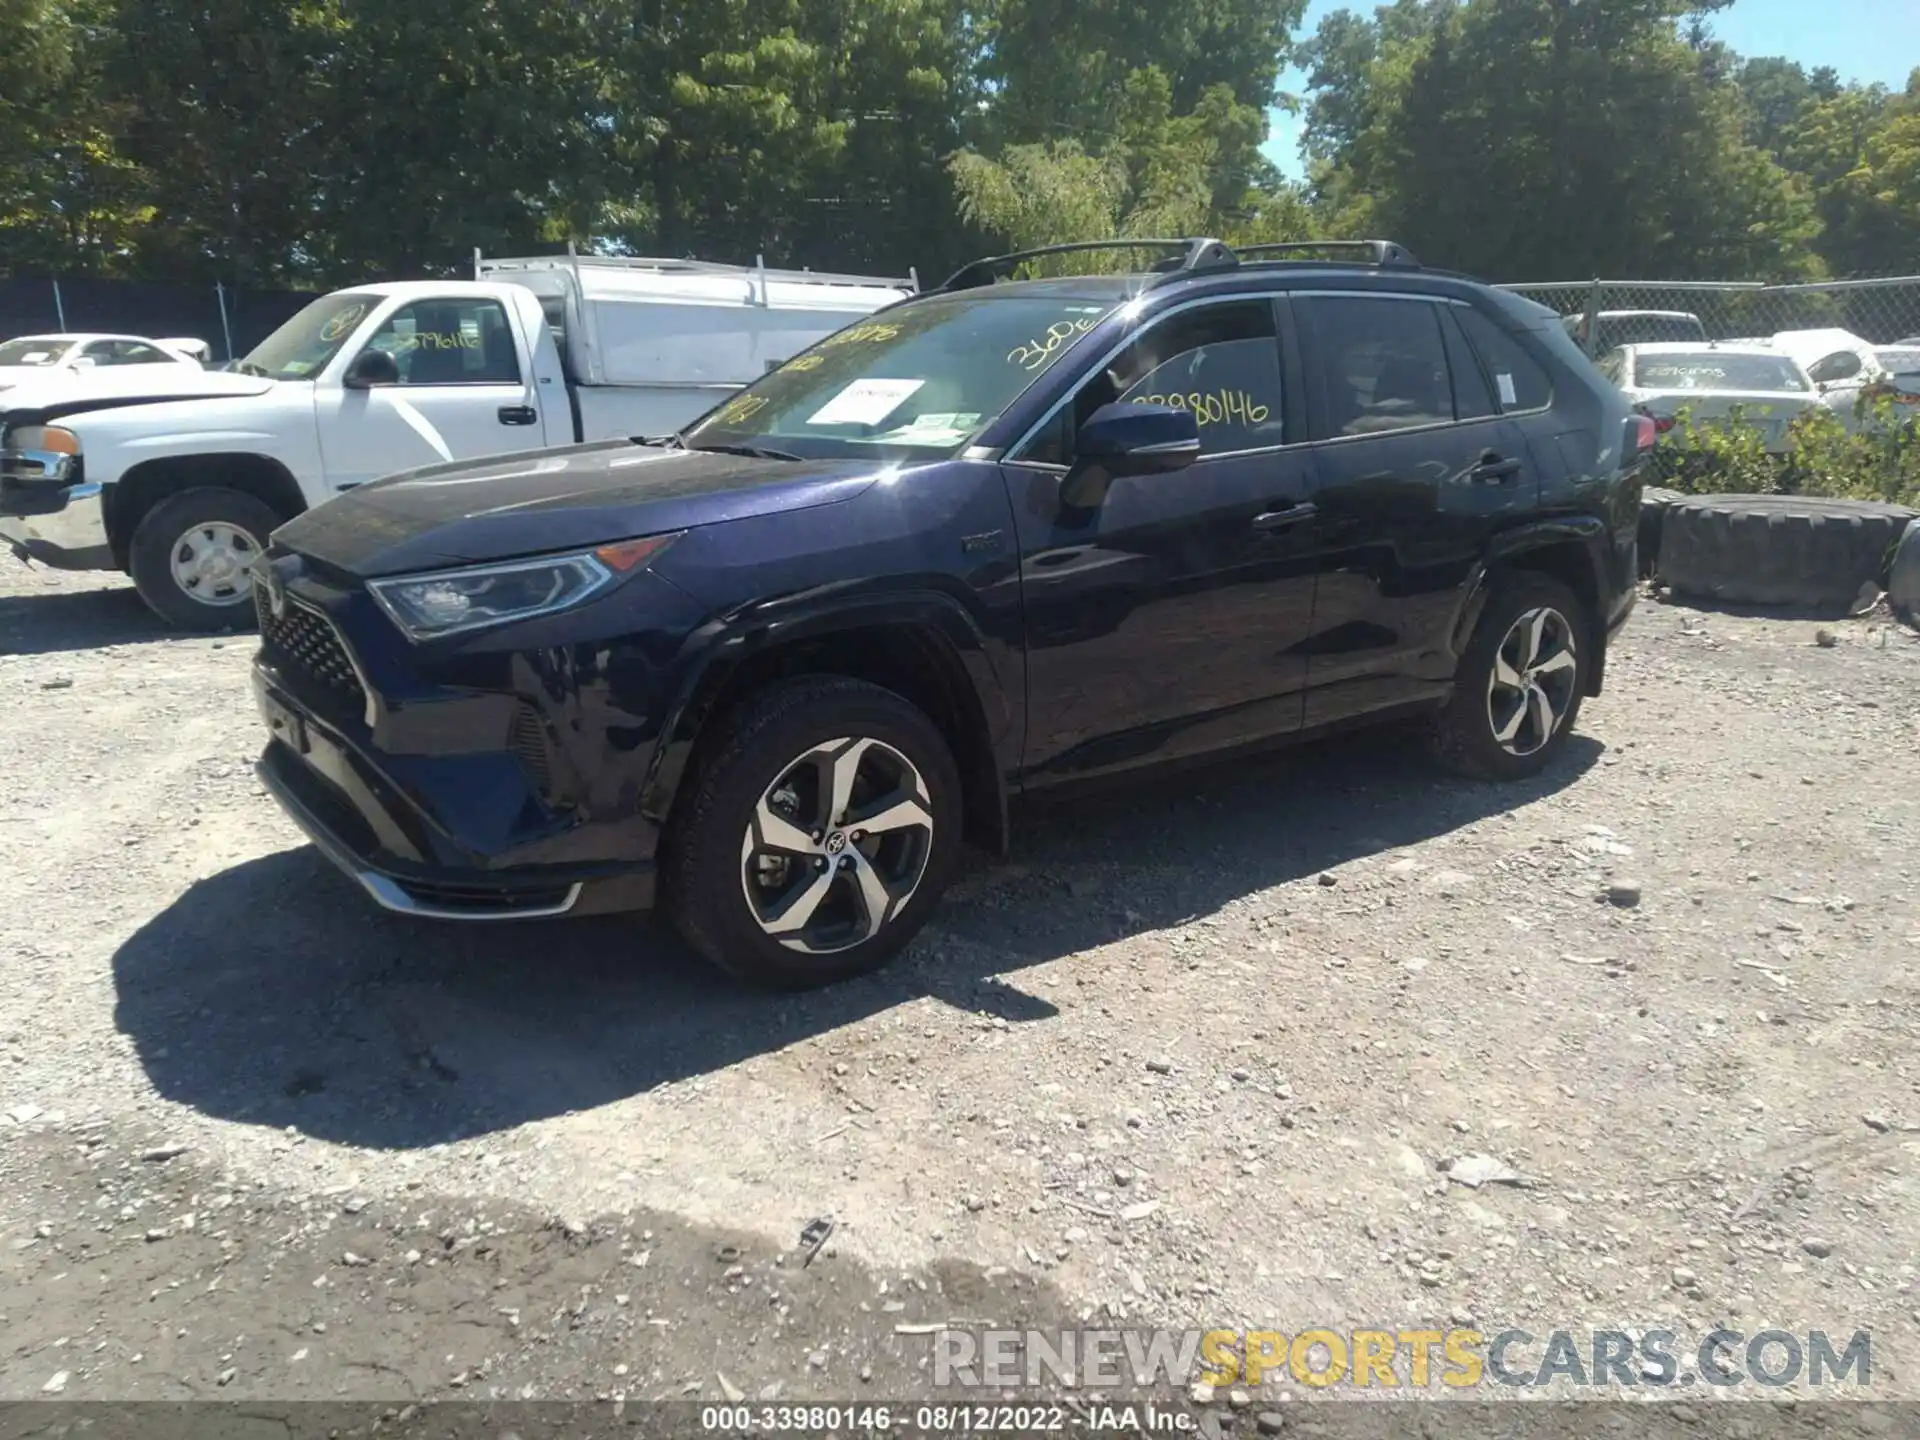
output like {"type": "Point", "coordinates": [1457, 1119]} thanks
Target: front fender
{"type": "Point", "coordinates": [117, 435]}
{"type": "Point", "coordinates": [715, 654]}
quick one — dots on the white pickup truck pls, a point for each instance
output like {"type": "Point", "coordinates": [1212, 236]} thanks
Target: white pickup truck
{"type": "Point", "coordinates": [179, 478]}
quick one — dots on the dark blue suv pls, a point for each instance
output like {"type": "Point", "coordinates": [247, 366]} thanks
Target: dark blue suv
{"type": "Point", "coordinates": [773, 670]}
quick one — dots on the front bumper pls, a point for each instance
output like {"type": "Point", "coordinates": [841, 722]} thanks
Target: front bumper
{"type": "Point", "coordinates": [50, 513]}
{"type": "Point", "coordinates": [393, 846]}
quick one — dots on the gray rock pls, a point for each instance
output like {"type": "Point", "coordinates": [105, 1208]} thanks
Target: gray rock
{"type": "Point", "coordinates": [1624, 893]}
{"type": "Point", "coordinates": [1819, 1249]}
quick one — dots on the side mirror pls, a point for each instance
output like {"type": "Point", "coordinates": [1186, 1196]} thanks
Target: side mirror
{"type": "Point", "coordinates": [370, 368]}
{"type": "Point", "coordinates": [84, 362]}
{"type": "Point", "coordinates": [1127, 439]}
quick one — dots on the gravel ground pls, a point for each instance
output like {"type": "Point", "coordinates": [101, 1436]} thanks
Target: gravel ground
{"type": "Point", "coordinates": [1200, 1056]}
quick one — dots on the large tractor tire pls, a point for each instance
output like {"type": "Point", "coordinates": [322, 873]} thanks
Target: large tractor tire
{"type": "Point", "coordinates": [1903, 582]}
{"type": "Point", "coordinates": [1653, 510]}
{"type": "Point", "coordinates": [1777, 549]}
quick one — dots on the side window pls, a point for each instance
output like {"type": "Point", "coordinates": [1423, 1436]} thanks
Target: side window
{"type": "Point", "coordinates": [1842, 366]}
{"type": "Point", "coordinates": [1222, 362]}
{"type": "Point", "coordinates": [132, 352]}
{"type": "Point", "coordinates": [1518, 381]}
{"type": "Point", "coordinates": [1381, 364]}
{"type": "Point", "coordinates": [1472, 399]}
{"type": "Point", "coordinates": [450, 342]}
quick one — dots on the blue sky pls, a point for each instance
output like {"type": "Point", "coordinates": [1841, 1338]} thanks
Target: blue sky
{"type": "Point", "coordinates": [1865, 40]}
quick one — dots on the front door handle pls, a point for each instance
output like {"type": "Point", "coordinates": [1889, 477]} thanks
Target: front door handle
{"type": "Point", "coordinates": [518, 415]}
{"type": "Point", "coordinates": [1493, 469]}
{"type": "Point", "coordinates": [1281, 519]}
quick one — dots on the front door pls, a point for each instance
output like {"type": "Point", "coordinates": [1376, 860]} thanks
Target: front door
{"type": "Point", "coordinates": [462, 395]}
{"type": "Point", "coordinates": [1168, 619]}
{"type": "Point", "coordinates": [1419, 462]}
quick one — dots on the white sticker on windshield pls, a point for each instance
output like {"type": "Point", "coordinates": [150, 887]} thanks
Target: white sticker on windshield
{"type": "Point", "coordinates": [936, 427]}
{"type": "Point", "coordinates": [1507, 395]}
{"type": "Point", "coordinates": [865, 402]}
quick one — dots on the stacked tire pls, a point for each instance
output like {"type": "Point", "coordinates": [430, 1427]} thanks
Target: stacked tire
{"type": "Point", "coordinates": [1903, 579]}
{"type": "Point", "coordinates": [1788, 550]}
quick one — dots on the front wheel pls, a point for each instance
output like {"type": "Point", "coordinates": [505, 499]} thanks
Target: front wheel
{"type": "Point", "coordinates": [820, 834]}
{"type": "Point", "coordinates": [1517, 691]}
{"type": "Point", "coordinates": [191, 554]}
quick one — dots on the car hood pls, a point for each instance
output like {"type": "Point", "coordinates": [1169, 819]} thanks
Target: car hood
{"type": "Point", "coordinates": [540, 501]}
{"type": "Point", "coordinates": [49, 395]}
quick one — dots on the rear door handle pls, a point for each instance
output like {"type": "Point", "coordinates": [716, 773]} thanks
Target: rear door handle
{"type": "Point", "coordinates": [518, 415]}
{"type": "Point", "coordinates": [1492, 468]}
{"type": "Point", "coordinates": [1281, 519]}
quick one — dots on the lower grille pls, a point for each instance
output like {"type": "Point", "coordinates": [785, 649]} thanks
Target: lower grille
{"type": "Point", "coordinates": [484, 899]}
{"type": "Point", "coordinates": [304, 644]}
{"type": "Point", "coordinates": [527, 741]}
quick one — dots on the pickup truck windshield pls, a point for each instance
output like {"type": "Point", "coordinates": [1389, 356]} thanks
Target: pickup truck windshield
{"type": "Point", "coordinates": [1709, 371]}
{"type": "Point", "coordinates": [301, 348]}
{"type": "Point", "coordinates": [919, 381]}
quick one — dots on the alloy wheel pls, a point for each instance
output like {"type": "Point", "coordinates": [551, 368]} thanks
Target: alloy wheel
{"type": "Point", "coordinates": [837, 845]}
{"type": "Point", "coordinates": [1531, 688]}
{"type": "Point", "coordinates": [210, 562]}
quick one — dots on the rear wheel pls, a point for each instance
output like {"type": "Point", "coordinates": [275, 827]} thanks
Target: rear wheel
{"type": "Point", "coordinates": [1518, 688]}
{"type": "Point", "coordinates": [191, 557]}
{"type": "Point", "coordinates": [819, 837]}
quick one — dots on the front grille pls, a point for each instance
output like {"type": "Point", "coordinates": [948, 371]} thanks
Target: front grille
{"type": "Point", "coordinates": [304, 644]}
{"type": "Point", "coordinates": [527, 740]}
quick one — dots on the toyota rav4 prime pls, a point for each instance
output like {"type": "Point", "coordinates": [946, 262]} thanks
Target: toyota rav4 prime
{"type": "Point", "coordinates": [773, 670]}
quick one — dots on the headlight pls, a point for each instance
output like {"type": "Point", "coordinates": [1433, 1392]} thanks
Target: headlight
{"type": "Point", "coordinates": [447, 602]}
{"type": "Point", "coordinates": [50, 438]}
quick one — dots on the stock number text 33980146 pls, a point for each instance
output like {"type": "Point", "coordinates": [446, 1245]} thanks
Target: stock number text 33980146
{"type": "Point", "coordinates": [1215, 407]}
{"type": "Point", "coordinates": [882, 1419]}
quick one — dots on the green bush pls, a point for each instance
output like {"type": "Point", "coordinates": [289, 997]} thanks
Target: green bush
{"type": "Point", "coordinates": [1878, 460]}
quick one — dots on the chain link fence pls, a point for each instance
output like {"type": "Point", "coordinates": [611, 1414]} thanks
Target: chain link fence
{"type": "Point", "coordinates": [1604, 313]}
{"type": "Point", "coordinates": [230, 321]}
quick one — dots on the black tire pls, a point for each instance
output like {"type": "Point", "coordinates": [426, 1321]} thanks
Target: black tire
{"type": "Point", "coordinates": [1903, 577]}
{"type": "Point", "coordinates": [150, 557]}
{"type": "Point", "coordinates": [703, 886]}
{"type": "Point", "coordinates": [1777, 549]}
{"type": "Point", "coordinates": [1463, 735]}
{"type": "Point", "coordinates": [1653, 511]}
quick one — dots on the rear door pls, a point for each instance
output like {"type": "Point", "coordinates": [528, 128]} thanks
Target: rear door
{"type": "Point", "coordinates": [463, 394]}
{"type": "Point", "coordinates": [1417, 466]}
{"type": "Point", "coordinates": [1172, 618]}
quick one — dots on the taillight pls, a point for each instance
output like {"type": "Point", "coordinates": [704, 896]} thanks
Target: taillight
{"type": "Point", "coordinates": [1643, 430]}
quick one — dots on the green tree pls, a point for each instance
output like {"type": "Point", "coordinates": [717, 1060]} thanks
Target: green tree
{"type": "Point", "coordinates": [1548, 139]}
{"type": "Point", "coordinates": [70, 200]}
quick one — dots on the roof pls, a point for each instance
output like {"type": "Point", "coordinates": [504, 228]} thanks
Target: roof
{"type": "Point", "coordinates": [75, 337]}
{"type": "Point", "coordinates": [1701, 347]}
{"type": "Point", "coordinates": [1819, 341]}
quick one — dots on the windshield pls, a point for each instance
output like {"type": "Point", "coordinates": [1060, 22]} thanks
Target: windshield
{"type": "Point", "coordinates": [918, 381]}
{"type": "Point", "coordinates": [301, 348]}
{"type": "Point", "coordinates": [31, 352]}
{"type": "Point", "coordinates": [1902, 361]}
{"type": "Point", "coordinates": [1710, 371]}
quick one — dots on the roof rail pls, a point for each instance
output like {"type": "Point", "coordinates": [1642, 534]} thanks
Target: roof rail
{"type": "Point", "coordinates": [1386, 254]}
{"type": "Point", "coordinates": [1195, 254]}
{"type": "Point", "coordinates": [684, 267]}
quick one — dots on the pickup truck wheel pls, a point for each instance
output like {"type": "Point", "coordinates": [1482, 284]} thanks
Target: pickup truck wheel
{"type": "Point", "coordinates": [819, 836]}
{"type": "Point", "coordinates": [1517, 691]}
{"type": "Point", "coordinates": [190, 555]}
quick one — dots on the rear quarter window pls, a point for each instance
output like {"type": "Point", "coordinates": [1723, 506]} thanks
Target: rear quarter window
{"type": "Point", "coordinates": [1520, 382]}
